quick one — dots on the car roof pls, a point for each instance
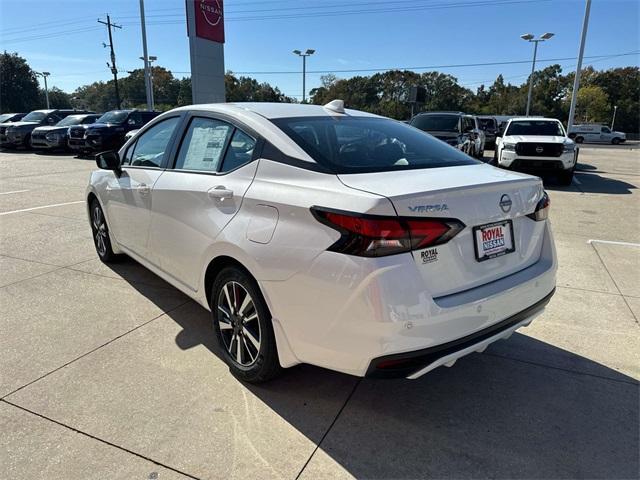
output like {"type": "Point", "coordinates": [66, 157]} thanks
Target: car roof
{"type": "Point", "coordinates": [516, 119]}
{"type": "Point", "coordinates": [274, 110]}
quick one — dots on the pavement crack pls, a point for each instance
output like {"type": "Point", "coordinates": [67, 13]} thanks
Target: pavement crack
{"type": "Point", "coordinates": [101, 440]}
{"type": "Point", "coordinates": [353, 390]}
{"type": "Point", "coordinates": [94, 350]}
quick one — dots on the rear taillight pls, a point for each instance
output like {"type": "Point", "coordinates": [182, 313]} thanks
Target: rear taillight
{"type": "Point", "coordinates": [378, 236]}
{"type": "Point", "coordinates": [542, 209]}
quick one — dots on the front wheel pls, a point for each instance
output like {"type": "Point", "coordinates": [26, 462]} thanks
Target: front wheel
{"type": "Point", "coordinates": [579, 139]}
{"type": "Point", "coordinates": [615, 141]}
{"type": "Point", "coordinates": [242, 324]}
{"type": "Point", "coordinates": [100, 232]}
{"type": "Point", "coordinates": [565, 178]}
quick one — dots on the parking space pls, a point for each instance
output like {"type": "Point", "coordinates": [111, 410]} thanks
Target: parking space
{"type": "Point", "coordinates": [109, 372]}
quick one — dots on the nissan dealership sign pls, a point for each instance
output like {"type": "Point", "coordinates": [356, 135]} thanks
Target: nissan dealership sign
{"type": "Point", "coordinates": [205, 27]}
{"type": "Point", "coordinates": [209, 17]}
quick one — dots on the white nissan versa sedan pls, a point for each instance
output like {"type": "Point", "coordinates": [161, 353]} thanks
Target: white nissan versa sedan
{"type": "Point", "coordinates": [327, 236]}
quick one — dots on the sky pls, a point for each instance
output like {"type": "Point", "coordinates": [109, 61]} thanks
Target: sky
{"type": "Point", "coordinates": [64, 38]}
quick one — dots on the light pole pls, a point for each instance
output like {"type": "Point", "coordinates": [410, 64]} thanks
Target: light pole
{"type": "Point", "coordinates": [46, 89]}
{"type": "Point", "coordinates": [151, 103]}
{"type": "Point", "coordinates": [304, 56]}
{"type": "Point", "coordinates": [613, 120]}
{"type": "Point", "coordinates": [576, 80]}
{"type": "Point", "coordinates": [530, 38]}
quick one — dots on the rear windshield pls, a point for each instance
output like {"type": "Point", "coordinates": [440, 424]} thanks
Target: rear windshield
{"type": "Point", "coordinates": [361, 144]}
{"type": "Point", "coordinates": [114, 116]}
{"type": "Point", "coordinates": [535, 127]}
{"type": "Point", "coordinates": [34, 117]}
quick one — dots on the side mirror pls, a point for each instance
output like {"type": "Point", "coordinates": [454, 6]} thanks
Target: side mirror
{"type": "Point", "coordinates": [109, 160]}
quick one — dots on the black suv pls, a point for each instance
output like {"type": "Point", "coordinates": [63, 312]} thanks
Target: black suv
{"type": "Point", "coordinates": [455, 128]}
{"type": "Point", "coordinates": [17, 134]}
{"type": "Point", "coordinates": [55, 136]}
{"type": "Point", "coordinates": [110, 129]}
{"type": "Point", "coordinates": [491, 129]}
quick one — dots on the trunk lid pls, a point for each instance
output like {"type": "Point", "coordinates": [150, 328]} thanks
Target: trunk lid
{"type": "Point", "coordinates": [471, 194]}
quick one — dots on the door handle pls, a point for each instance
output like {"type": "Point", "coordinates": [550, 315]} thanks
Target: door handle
{"type": "Point", "coordinates": [144, 189]}
{"type": "Point", "coordinates": [220, 193]}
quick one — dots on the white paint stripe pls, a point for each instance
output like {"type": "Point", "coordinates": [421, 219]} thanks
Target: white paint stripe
{"type": "Point", "coordinates": [611, 242]}
{"type": "Point", "coordinates": [578, 182]}
{"type": "Point", "coordinates": [15, 191]}
{"type": "Point", "coordinates": [38, 208]}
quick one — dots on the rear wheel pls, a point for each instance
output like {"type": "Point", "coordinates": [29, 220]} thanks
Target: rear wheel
{"type": "Point", "coordinates": [242, 323]}
{"type": "Point", "coordinates": [100, 232]}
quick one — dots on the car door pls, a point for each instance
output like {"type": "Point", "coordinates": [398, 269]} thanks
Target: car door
{"type": "Point", "coordinates": [130, 194]}
{"type": "Point", "coordinates": [605, 135]}
{"type": "Point", "coordinates": [196, 198]}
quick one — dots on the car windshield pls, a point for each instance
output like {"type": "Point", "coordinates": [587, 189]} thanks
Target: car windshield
{"type": "Point", "coordinates": [116, 116]}
{"type": "Point", "coordinates": [70, 120]}
{"type": "Point", "coordinates": [535, 127]}
{"type": "Point", "coordinates": [436, 123]}
{"type": "Point", "coordinates": [34, 117]}
{"type": "Point", "coordinates": [361, 144]}
{"type": "Point", "coordinates": [487, 123]}
{"type": "Point", "coordinates": [4, 117]}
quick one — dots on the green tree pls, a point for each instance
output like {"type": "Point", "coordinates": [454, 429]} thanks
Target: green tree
{"type": "Point", "coordinates": [592, 104]}
{"type": "Point", "coordinates": [18, 84]}
{"type": "Point", "coordinates": [246, 89]}
{"type": "Point", "coordinates": [57, 98]}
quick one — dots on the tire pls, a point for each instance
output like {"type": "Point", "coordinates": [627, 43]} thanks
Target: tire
{"type": "Point", "coordinates": [245, 335]}
{"type": "Point", "coordinates": [615, 141]}
{"type": "Point", "coordinates": [100, 232]}
{"type": "Point", "coordinates": [565, 178]}
{"type": "Point", "coordinates": [579, 139]}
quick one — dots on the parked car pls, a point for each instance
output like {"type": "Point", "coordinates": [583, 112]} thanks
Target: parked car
{"type": "Point", "coordinates": [537, 144]}
{"type": "Point", "coordinates": [489, 126]}
{"type": "Point", "coordinates": [596, 133]}
{"type": "Point", "coordinates": [327, 236]}
{"type": "Point", "coordinates": [454, 128]}
{"type": "Point", "coordinates": [109, 130]}
{"type": "Point", "coordinates": [56, 136]}
{"type": "Point", "coordinates": [480, 139]}
{"type": "Point", "coordinates": [18, 134]}
{"type": "Point", "coordinates": [11, 117]}
{"type": "Point", "coordinates": [76, 141]}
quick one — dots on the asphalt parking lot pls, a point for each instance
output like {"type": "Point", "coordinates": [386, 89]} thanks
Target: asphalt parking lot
{"type": "Point", "coordinates": [109, 372]}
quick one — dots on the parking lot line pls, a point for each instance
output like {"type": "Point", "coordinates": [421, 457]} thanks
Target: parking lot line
{"type": "Point", "coordinates": [611, 242]}
{"type": "Point", "coordinates": [15, 191]}
{"type": "Point", "coordinates": [41, 207]}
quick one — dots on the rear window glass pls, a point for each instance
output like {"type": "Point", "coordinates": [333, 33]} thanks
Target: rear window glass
{"type": "Point", "coordinates": [436, 123]}
{"type": "Point", "coordinates": [361, 144]}
{"type": "Point", "coordinates": [487, 123]}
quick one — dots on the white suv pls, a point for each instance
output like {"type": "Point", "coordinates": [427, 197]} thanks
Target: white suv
{"type": "Point", "coordinates": [538, 145]}
{"type": "Point", "coordinates": [327, 236]}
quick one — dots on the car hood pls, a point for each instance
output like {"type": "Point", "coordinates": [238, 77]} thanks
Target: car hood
{"type": "Point", "coordinates": [535, 139]}
{"type": "Point", "coordinates": [99, 126]}
{"type": "Point", "coordinates": [52, 128]}
{"type": "Point", "coordinates": [22, 124]}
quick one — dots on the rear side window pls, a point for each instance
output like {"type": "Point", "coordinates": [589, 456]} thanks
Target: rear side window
{"type": "Point", "coordinates": [204, 145]}
{"type": "Point", "coordinates": [239, 151]}
{"type": "Point", "coordinates": [437, 123]}
{"type": "Point", "coordinates": [362, 144]}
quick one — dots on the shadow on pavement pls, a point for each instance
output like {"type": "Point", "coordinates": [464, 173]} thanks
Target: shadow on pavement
{"type": "Point", "coordinates": [592, 183]}
{"type": "Point", "coordinates": [523, 409]}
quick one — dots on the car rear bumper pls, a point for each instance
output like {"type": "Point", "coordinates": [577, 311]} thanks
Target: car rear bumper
{"type": "Point", "coordinates": [346, 313]}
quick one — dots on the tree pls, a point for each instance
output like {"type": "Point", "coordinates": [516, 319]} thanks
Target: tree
{"type": "Point", "coordinates": [246, 89]}
{"type": "Point", "coordinates": [592, 104]}
{"type": "Point", "coordinates": [18, 84]}
{"type": "Point", "coordinates": [57, 98]}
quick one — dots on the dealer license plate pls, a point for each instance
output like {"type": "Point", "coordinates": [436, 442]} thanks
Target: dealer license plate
{"type": "Point", "coordinates": [493, 240]}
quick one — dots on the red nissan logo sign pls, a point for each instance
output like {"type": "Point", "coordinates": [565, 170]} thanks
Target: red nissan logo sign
{"type": "Point", "coordinates": [209, 20]}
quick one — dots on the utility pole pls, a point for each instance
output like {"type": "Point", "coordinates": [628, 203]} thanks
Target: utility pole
{"type": "Point", "coordinates": [576, 81]}
{"type": "Point", "coordinates": [113, 67]}
{"type": "Point", "coordinates": [147, 75]}
{"type": "Point", "coordinates": [46, 88]}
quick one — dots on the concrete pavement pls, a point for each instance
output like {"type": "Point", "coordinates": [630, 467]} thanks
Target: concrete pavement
{"type": "Point", "coordinates": [109, 372]}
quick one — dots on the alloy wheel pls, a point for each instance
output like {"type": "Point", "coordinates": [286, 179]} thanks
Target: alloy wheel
{"type": "Point", "coordinates": [99, 231]}
{"type": "Point", "coordinates": [239, 323]}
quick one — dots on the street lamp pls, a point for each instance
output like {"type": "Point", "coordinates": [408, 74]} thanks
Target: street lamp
{"type": "Point", "coordinates": [304, 56]}
{"type": "Point", "coordinates": [530, 38]}
{"type": "Point", "coordinates": [152, 58]}
{"type": "Point", "coordinates": [613, 120]}
{"type": "Point", "coordinates": [46, 89]}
